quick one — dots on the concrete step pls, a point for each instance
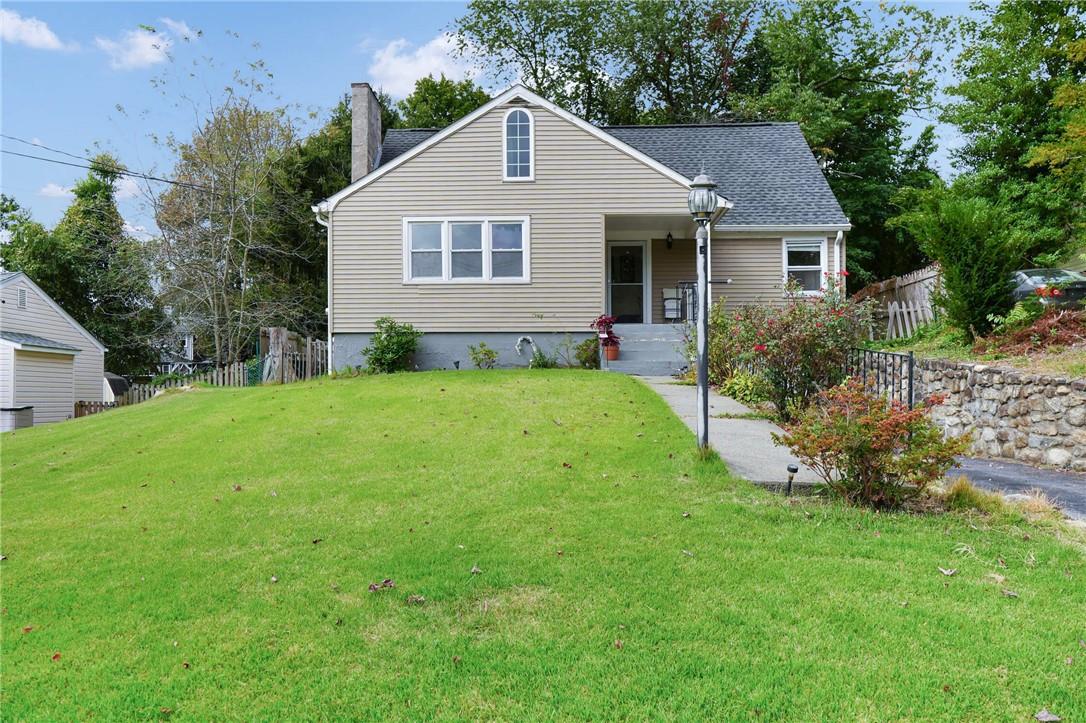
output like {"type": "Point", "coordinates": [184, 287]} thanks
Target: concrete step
{"type": "Point", "coordinates": [645, 368]}
{"type": "Point", "coordinates": [654, 353]}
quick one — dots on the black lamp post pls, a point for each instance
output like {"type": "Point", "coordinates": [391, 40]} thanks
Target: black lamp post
{"type": "Point", "coordinates": [702, 202]}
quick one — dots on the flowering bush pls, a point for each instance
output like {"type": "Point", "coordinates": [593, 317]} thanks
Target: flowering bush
{"type": "Point", "coordinates": [799, 348]}
{"type": "Point", "coordinates": [604, 326]}
{"type": "Point", "coordinates": [869, 450]}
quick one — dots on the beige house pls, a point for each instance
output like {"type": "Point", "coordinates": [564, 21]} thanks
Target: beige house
{"type": "Point", "coordinates": [523, 220]}
{"type": "Point", "coordinates": [47, 360]}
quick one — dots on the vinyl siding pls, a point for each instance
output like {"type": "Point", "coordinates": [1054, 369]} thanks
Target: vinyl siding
{"type": "Point", "coordinates": [669, 267]}
{"type": "Point", "coordinates": [756, 268]}
{"type": "Point", "coordinates": [578, 180]}
{"type": "Point", "coordinates": [41, 319]}
{"type": "Point", "coordinates": [7, 371]}
{"type": "Point", "coordinates": [45, 381]}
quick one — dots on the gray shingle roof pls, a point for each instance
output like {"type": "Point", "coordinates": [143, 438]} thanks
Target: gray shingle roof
{"type": "Point", "coordinates": [766, 169]}
{"type": "Point", "coordinates": [17, 337]}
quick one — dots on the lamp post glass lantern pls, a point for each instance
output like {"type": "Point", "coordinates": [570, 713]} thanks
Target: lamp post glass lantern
{"type": "Point", "coordinates": [702, 202]}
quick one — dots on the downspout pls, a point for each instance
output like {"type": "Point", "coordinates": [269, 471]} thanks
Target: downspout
{"type": "Point", "coordinates": [321, 212]}
{"type": "Point", "coordinates": [837, 243]}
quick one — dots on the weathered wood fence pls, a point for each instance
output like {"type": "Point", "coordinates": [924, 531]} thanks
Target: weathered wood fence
{"type": "Point", "coordinates": [291, 357]}
{"type": "Point", "coordinates": [903, 303]}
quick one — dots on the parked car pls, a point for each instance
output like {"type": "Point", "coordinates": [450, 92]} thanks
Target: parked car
{"type": "Point", "coordinates": [1058, 287]}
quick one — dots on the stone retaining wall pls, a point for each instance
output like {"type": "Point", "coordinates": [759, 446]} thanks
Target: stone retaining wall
{"type": "Point", "coordinates": [1033, 418]}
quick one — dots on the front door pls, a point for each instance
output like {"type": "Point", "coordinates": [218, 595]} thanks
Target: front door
{"type": "Point", "coordinates": [626, 282]}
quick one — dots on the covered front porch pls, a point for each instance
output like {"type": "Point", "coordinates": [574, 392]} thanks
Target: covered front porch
{"type": "Point", "coordinates": [650, 269]}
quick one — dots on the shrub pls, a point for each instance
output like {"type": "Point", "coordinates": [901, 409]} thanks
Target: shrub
{"type": "Point", "coordinates": [747, 388]}
{"type": "Point", "coordinates": [968, 237]}
{"type": "Point", "coordinates": [869, 450]}
{"type": "Point", "coordinates": [482, 356]}
{"type": "Point", "coordinates": [587, 353]}
{"type": "Point", "coordinates": [800, 348]}
{"type": "Point", "coordinates": [541, 359]}
{"type": "Point", "coordinates": [392, 346]}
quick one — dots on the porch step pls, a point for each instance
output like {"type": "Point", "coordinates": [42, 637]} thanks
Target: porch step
{"type": "Point", "coordinates": [645, 368]}
{"type": "Point", "coordinates": [649, 350]}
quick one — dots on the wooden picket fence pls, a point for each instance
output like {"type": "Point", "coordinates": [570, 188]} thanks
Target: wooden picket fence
{"type": "Point", "coordinates": [904, 318]}
{"type": "Point", "coordinates": [85, 409]}
{"type": "Point", "coordinates": [903, 303]}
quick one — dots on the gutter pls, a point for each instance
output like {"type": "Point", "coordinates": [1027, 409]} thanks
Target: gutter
{"type": "Point", "coordinates": [321, 211]}
{"type": "Point", "coordinates": [837, 243]}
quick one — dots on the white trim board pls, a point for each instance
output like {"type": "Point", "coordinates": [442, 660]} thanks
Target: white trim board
{"type": "Point", "coordinates": [779, 229]}
{"type": "Point", "coordinates": [517, 91]}
{"type": "Point", "coordinates": [55, 306]}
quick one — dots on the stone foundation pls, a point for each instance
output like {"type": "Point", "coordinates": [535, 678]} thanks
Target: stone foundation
{"type": "Point", "coordinates": [1033, 418]}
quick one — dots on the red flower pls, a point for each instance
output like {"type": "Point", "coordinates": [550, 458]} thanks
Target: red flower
{"type": "Point", "coordinates": [844, 272]}
{"type": "Point", "coordinates": [760, 347]}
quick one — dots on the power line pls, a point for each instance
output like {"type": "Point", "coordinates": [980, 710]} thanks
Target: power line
{"type": "Point", "coordinates": [115, 169]}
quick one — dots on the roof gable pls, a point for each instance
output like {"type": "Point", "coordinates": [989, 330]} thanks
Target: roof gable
{"type": "Point", "coordinates": [12, 277]}
{"type": "Point", "coordinates": [399, 156]}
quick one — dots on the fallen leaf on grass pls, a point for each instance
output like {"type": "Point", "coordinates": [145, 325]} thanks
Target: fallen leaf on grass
{"type": "Point", "coordinates": [186, 665]}
{"type": "Point", "coordinates": [318, 540]}
{"type": "Point", "coordinates": [685, 515]}
{"type": "Point", "coordinates": [274, 578]}
{"type": "Point", "coordinates": [456, 660]}
{"type": "Point", "coordinates": [567, 465]}
{"type": "Point", "coordinates": [416, 600]}
{"type": "Point", "coordinates": [475, 570]}
{"type": "Point", "coordinates": [387, 583]}
{"type": "Point", "coordinates": [237, 488]}
{"type": "Point", "coordinates": [948, 572]}
{"type": "Point", "coordinates": [619, 644]}
{"type": "Point", "coordinates": [688, 553]}
{"type": "Point", "coordinates": [1069, 660]}
{"type": "Point", "coordinates": [1046, 717]}
{"type": "Point", "coordinates": [27, 629]}
{"type": "Point", "coordinates": [1009, 593]}
{"type": "Point", "coordinates": [56, 657]}
{"type": "Point", "coordinates": [996, 577]}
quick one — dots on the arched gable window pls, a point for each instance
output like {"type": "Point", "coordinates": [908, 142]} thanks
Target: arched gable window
{"type": "Point", "coordinates": [519, 146]}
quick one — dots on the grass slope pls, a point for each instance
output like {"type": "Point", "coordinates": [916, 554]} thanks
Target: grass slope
{"type": "Point", "coordinates": [131, 555]}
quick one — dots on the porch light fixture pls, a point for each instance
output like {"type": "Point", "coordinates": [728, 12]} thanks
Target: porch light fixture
{"type": "Point", "coordinates": [670, 240]}
{"type": "Point", "coordinates": [703, 203]}
{"type": "Point", "coordinates": [702, 199]}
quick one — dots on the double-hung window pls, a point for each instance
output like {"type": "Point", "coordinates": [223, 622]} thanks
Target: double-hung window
{"type": "Point", "coordinates": [518, 156]}
{"type": "Point", "coordinates": [466, 250]}
{"type": "Point", "coordinates": [805, 264]}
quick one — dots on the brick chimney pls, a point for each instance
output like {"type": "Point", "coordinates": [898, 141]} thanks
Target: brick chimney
{"type": "Point", "coordinates": [365, 130]}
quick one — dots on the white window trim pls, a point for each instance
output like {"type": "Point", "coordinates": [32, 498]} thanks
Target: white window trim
{"type": "Point", "coordinates": [446, 250]}
{"type": "Point", "coordinates": [531, 146]}
{"type": "Point", "coordinates": [823, 256]}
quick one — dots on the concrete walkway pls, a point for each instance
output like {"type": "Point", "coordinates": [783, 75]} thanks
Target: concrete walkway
{"type": "Point", "coordinates": [745, 445]}
{"type": "Point", "coordinates": [747, 448]}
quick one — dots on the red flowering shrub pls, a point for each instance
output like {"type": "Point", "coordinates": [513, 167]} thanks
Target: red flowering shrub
{"type": "Point", "coordinates": [800, 348]}
{"type": "Point", "coordinates": [869, 450]}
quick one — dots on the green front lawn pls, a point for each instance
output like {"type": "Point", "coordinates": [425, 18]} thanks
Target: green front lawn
{"type": "Point", "coordinates": [169, 592]}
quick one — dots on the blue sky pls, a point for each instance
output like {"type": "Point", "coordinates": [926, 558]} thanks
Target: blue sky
{"type": "Point", "coordinates": [78, 76]}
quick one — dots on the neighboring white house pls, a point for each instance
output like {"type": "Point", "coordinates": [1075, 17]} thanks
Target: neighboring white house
{"type": "Point", "coordinates": [47, 360]}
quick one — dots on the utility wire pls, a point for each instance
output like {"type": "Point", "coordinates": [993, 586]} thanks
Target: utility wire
{"type": "Point", "coordinates": [115, 169]}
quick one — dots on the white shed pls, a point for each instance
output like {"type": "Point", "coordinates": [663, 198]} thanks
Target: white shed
{"type": "Point", "coordinates": [47, 359]}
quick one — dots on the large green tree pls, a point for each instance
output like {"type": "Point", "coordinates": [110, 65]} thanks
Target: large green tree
{"type": "Point", "coordinates": [436, 103]}
{"type": "Point", "coordinates": [1013, 103]}
{"type": "Point", "coordinates": [95, 269]}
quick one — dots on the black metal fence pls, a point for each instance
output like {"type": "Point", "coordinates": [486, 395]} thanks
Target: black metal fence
{"type": "Point", "coordinates": [889, 373]}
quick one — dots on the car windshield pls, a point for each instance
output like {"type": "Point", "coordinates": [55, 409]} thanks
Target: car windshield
{"type": "Point", "coordinates": [1053, 276]}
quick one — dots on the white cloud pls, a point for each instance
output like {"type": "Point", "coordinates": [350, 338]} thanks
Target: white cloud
{"type": "Point", "coordinates": [398, 65]}
{"type": "Point", "coordinates": [55, 190]}
{"type": "Point", "coordinates": [180, 29]}
{"type": "Point", "coordinates": [31, 32]}
{"type": "Point", "coordinates": [138, 48]}
{"type": "Point", "coordinates": [128, 187]}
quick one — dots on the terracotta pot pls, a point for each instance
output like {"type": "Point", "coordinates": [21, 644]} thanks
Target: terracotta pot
{"type": "Point", "coordinates": [611, 352]}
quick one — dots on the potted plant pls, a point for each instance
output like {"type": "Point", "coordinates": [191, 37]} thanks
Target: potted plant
{"type": "Point", "coordinates": [609, 341]}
